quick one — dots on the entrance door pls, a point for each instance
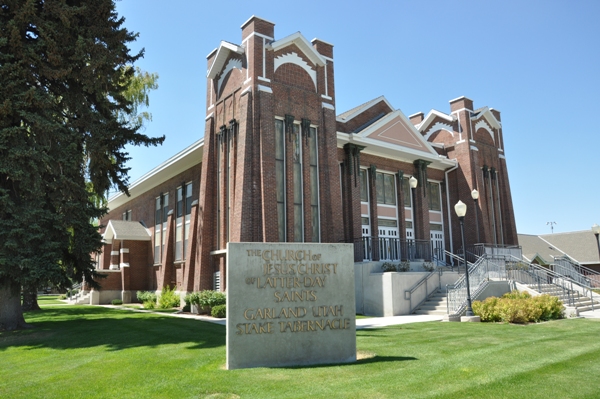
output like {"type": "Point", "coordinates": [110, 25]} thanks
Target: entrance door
{"type": "Point", "coordinates": [437, 242]}
{"type": "Point", "coordinates": [389, 243]}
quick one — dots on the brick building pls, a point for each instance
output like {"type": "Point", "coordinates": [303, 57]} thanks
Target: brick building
{"type": "Point", "coordinates": [277, 165]}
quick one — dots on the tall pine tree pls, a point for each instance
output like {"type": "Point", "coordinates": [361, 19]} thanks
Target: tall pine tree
{"type": "Point", "coordinates": [64, 69]}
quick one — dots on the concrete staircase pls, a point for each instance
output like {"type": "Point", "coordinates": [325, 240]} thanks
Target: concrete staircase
{"type": "Point", "coordinates": [582, 303]}
{"type": "Point", "coordinates": [80, 299]}
{"type": "Point", "coordinates": [436, 304]}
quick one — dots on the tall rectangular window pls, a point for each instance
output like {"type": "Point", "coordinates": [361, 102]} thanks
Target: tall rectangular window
{"type": "Point", "coordinates": [157, 229]}
{"type": "Point", "coordinates": [127, 215]}
{"type": "Point", "coordinates": [433, 190]}
{"type": "Point", "coordinates": [161, 210]}
{"type": "Point", "coordinates": [364, 188]}
{"type": "Point", "coordinates": [386, 189]}
{"type": "Point", "coordinates": [184, 210]}
{"type": "Point", "coordinates": [297, 177]}
{"type": "Point", "coordinates": [314, 185]}
{"type": "Point", "coordinates": [188, 216]}
{"type": "Point", "coordinates": [280, 178]}
{"type": "Point", "coordinates": [179, 225]}
{"type": "Point", "coordinates": [407, 193]}
{"type": "Point", "coordinates": [165, 215]}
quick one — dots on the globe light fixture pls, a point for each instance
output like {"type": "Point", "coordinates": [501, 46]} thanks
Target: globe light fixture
{"type": "Point", "coordinates": [413, 182]}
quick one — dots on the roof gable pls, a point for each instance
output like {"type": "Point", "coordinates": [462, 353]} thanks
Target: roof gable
{"type": "Point", "coordinates": [304, 45]}
{"type": "Point", "coordinates": [486, 113]}
{"type": "Point", "coordinates": [396, 129]}
{"type": "Point", "coordinates": [431, 117]}
{"type": "Point", "coordinates": [225, 48]}
{"type": "Point", "coordinates": [124, 230]}
{"type": "Point", "coordinates": [354, 112]}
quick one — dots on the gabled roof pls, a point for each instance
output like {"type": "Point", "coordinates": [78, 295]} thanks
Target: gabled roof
{"type": "Point", "coordinates": [394, 136]}
{"type": "Point", "coordinates": [304, 45]}
{"type": "Point", "coordinates": [580, 246]}
{"type": "Point", "coordinates": [431, 116]}
{"type": "Point", "coordinates": [222, 54]}
{"type": "Point", "coordinates": [123, 230]}
{"type": "Point", "coordinates": [533, 246]}
{"type": "Point", "coordinates": [348, 115]}
{"type": "Point", "coordinates": [486, 113]}
{"type": "Point", "coordinates": [183, 160]}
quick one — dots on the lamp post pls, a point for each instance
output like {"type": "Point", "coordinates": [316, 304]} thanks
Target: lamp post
{"type": "Point", "coordinates": [475, 196]}
{"type": "Point", "coordinates": [596, 231]}
{"type": "Point", "coordinates": [413, 182]}
{"type": "Point", "coordinates": [461, 209]}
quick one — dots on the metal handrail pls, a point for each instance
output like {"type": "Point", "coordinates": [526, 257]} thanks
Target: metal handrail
{"type": "Point", "coordinates": [390, 249]}
{"type": "Point", "coordinates": [419, 283]}
{"type": "Point", "coordinates": [583, 275]}
{"type": "Point", "coordinates": [478, 275]}
{"type": "Point", "coordinates": [459, 260]}
{"type": "Point", "coordinates": [551, 277]}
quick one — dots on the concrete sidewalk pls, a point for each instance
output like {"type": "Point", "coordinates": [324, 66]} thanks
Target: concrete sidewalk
{"type": "Point", "coordinates": [591, 314]}
{"type": "Point", "coordinates": [377, 322]}
{"type": "Point", "coordinates": [372, 322]}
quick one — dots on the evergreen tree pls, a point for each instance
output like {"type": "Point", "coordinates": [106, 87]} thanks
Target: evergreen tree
{"type": "Point", "coordinates": [64, 72]}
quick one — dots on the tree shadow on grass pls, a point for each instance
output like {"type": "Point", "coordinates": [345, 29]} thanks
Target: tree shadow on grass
{"type": "Point", "coordinates": [86, 327]}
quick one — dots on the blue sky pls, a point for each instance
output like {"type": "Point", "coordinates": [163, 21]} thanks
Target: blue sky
{"type": "Point", "coordinates": [537, 62]}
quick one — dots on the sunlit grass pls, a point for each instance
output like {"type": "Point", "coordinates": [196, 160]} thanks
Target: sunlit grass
{"type": "Point", "coordinates": [95, 352]}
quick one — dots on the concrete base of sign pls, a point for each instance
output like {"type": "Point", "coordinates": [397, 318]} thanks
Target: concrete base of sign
{"type": "Point", "coordinates": [290, 304]}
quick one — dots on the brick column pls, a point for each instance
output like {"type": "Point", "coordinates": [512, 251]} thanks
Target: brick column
{"type": "Point", "coordinates": [187, 285]}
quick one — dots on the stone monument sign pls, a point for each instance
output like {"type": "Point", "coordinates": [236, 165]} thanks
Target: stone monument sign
{"type": "Point", "coordinates": [290, 304]}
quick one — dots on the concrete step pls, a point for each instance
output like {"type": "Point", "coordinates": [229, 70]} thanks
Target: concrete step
{"type": "Point", "coordinates": [427, 306]}
{"type": "Point", "coordinates": [436, 304]}
{"type": "Point", "coordinates": [431, 312]}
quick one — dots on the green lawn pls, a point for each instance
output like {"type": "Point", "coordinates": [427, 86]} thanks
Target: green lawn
{"type": "Point", "coordinates": [95, 352]}
{"type": "Point", "coordinates": [45, 300]}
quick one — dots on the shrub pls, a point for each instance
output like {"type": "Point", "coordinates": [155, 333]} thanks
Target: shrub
{"type": "Point", "coordinates": [209, 298]}
{"type": "Point", "coordinates": [219, 311]}
{"type": "Point", "coordinates": [403, 266]}
{"type": "Point", "coordinates": [517, 295]}
{"type": "Point", "coordinates": [168, 298]}
{"type": "Point", "coordinates": [62, 296]}
{"type": "Point", "coordinates": [519, 307]}
{"type": "Point", "coordinates": [428, 266]}
{"type": "Point", "coordinates": [217, 298]}
{"type": "Point", "coordinates": [146, 296]}
{"type": "Point", "coordinates": [117, 302]}
{"type": "Point", "coordinates": [149, 305]}
{"type": "Point", "coordinates": [388, 267]}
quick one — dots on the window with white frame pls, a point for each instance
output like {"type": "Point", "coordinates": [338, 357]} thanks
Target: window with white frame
{"type": "Point", "coordinates": [184, 208]}
{"type": "Point", "coordinates": [161, 210]}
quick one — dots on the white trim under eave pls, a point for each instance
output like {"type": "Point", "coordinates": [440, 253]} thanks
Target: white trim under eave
{"type": "Point", "coordinates": [430, 117]}
{"type": "Point", "coordinates": [120, 198]}
{"type": "Point", "coordinates": [365, 107]}
{"type": "Point", "coordinates": [393, 151]}
{"type": "Point", "coordinates": [223, 52]}
{"type": "Point", "coordinates": [388, 118]}
{"type": "Point", "coordinates": [303, 44]}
